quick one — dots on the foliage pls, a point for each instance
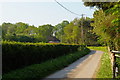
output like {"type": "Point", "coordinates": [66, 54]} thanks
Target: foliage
{"type": "Point", "coordinates": [106, 29]}
{"type": "Point", "coordinates": [21, 27]}
{"type": "Point", "coordinates": [38, 71]}
{"type": "Point", "coordinates": [100, 5]}
{"type": "Point", "coordinates": [116, 22]}
{"type": "Point", "coordinates": [16, 54]}
{"type": "Point", "coordinates": [45, 31]}
{"type": "Point", "coordinates": [59, 30]}
{"type": "Point", "coordinates": [107, 22]}
{"type": "Point", "coordinates": [7, 28]}
{"type": "Point", "coordinates": [72, 32]}
{"type": "Point", "coordinates": [102, 25]}
{"type": "Point", "coordinates": [66, 32]}
{"type": "Point", "coordinates": [23, 32]}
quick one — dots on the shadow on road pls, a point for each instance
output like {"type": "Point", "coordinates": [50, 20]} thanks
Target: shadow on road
{"type": "Point", "coordinates": [64, 72]}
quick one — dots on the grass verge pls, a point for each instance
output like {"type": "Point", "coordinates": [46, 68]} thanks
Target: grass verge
{"type": "Point", "coordinates": [104, 70]}
{"type": "Point", "coordinates": [38, 71]}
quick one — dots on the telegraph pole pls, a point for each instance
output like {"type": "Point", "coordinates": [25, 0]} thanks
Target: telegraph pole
{"type": "Point", "coordinates": [82, 33]}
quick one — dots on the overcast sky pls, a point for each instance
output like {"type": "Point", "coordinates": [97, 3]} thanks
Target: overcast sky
{"type": "Point", "coordinates": [40, 12]}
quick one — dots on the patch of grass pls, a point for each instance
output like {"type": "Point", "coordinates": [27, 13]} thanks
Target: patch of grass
{"type": "Point", "coordinates": [37, 71]}
{"type": "Point", "coordinates": [98, 48]}
{"type": "Point", "coordinates": [104, 70]}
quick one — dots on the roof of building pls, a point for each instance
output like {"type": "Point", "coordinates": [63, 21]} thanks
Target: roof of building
{"type": "Point", "coordinates": [53, 38]}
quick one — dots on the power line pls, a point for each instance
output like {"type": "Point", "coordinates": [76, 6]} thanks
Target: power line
{"type": "Point", "coordinates": [82, 16]}
{"type": "Point", "coordinates": [67, 9]}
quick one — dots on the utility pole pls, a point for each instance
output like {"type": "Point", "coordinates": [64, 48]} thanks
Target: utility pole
{"type": "Point", "coordinates": [82, 33]}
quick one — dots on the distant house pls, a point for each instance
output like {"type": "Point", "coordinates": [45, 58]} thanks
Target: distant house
{"type": "Point", "coordinates": [53, 39]}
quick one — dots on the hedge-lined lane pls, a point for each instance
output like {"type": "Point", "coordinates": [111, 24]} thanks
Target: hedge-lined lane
{"type": "Point", "coordinates": [39, 71]}
{"type": "Point", "coordinates": [17, 55]}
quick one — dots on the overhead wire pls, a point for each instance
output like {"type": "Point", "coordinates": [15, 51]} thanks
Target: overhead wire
{"type": "Point", "coordinates": [74, 14]}
{"type": "Point", "coordinates": [67, 9]}
{"type": "Point", "coordinates": [70, 10]}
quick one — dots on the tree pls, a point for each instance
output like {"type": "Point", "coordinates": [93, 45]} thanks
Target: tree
{"type": "Point", "coordinates": [26, 33]}
{"type": "Point", "coordinates": [107, 22]}
{"type": "Point", "coordinates": [31, 30]}
{"type": "Point", "coordinates": [70, 33]}
{"type": "Point", "coordinates": [104, 27]}
{"type": "Point", "coordinates": [45, 31]}
{"type": "Point", "coordinates": [21, 27]}
{"type": "Point", "coordinates": [17, 32]}
{"type": "Point", "coordinates": [100, 5]}
{"type": "Point", "coordinates": [58, 30]}
{"type": "Point", "coordinates": [76, 35]}
{"type": "Point", "coordinates": [115, 11]}
{"type": "Point", "coordinates": [8, 30]}
{"type": "Point", "coordinates": [89, 38]}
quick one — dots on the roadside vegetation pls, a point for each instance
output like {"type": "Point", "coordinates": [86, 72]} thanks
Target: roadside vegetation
{"type": "Point", "coordinates": [105, 69]}
{"type": "Point", "coordinates": [107, 26]}
{"type": "Point", "coordinates": [38, 71]}
{"type": "Point", "coordinates": [18, 55]}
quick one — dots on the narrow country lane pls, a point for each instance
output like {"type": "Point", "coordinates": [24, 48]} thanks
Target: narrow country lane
{"type": "Point", "coordinates": [85, 67]}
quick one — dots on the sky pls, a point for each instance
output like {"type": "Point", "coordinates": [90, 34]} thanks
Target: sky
{"type": "Point", "coordinates": [41, 12]}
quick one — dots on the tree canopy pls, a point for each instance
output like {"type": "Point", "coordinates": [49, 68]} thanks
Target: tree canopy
{"type": "Point", "coordinates": [66, 32]}
{"type": "Point", "coordinates": [107, 22]}
{"type": "Point", "coordinates": [100, 5]}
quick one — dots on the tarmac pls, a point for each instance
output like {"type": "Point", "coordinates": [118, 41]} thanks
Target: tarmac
{"type": "Point", "coordinates": [84, 67]}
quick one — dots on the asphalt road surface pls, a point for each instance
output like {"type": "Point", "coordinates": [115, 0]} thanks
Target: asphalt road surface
{"type": "Point", "coordinates": [85, 67]}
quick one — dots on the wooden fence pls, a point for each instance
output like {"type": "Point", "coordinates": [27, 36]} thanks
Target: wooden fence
{"type": "Point", "coordinates": [115, 68]}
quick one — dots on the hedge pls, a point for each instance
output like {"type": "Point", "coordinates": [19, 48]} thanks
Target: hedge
{"type": "Point", "coordinates": [39, 71]}
{"type": "Point", "coordinates": [17, 55]}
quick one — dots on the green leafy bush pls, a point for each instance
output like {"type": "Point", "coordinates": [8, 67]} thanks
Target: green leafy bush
{"type": "Point", "coordinates": [18, 55]}
{"type": "Point", "coordinates": [38, 71]}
